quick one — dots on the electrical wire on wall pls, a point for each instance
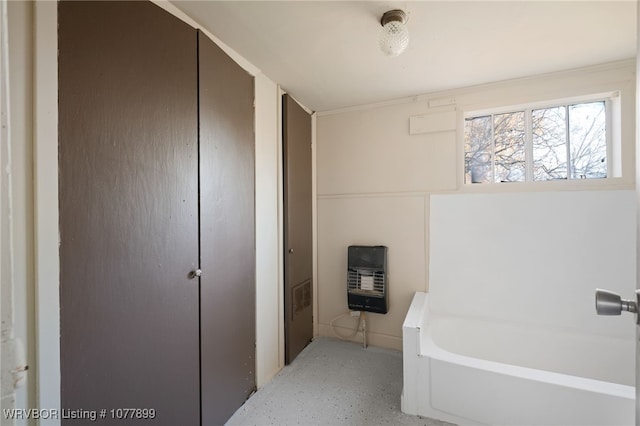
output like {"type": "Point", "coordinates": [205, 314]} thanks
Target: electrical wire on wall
{"type": "Point", "coordinates": [360, 327]}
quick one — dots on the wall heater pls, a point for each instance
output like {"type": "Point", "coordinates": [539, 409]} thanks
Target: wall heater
{"type": "Point", "coordinates": [367, 286]}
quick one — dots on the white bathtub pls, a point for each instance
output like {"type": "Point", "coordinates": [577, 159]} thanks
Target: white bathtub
{"type": "Point", "coordinates": [471, 371]}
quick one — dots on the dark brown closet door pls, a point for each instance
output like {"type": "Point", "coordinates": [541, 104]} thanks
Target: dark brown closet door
{"type": "Point", "coordinates": [298, 293]}
{"type": "Point", "coordinates": [227, 234]}
{"type": "Point", "coordinates": [128, 212]}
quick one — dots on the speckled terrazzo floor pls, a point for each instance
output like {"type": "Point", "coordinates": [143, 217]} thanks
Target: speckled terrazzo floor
{"type": "Point", "coordinates": [333, 383]}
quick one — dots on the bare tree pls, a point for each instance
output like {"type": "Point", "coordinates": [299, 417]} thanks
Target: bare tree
{"type": "Point", "coordinates": [568, 142]}
{"type": "Point", "coordinates": [588, 140]}
{"type": "Point", "coordinates": [478, 149]}
{"type": "Point", "coordinates": [549, 143]}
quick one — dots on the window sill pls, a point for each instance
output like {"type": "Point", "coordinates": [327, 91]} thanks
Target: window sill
{"type": "Point", "coordinates": [561, 185]}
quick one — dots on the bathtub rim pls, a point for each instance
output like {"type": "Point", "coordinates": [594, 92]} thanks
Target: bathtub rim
{"type": "Point", "coordinates": [427, 347]}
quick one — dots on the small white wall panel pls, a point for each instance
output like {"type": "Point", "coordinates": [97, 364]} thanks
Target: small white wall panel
{"type": "Point", "coordinates": [433, 122]}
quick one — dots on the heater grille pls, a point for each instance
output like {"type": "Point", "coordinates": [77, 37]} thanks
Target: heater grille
{"type": "Point", "coordinates": [370, 283]}
{"type": "Point", "coordinates": [367, 279]}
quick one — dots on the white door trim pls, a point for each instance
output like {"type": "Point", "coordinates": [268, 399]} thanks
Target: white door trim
{"type": "Point", "coordinates": [47, 262]}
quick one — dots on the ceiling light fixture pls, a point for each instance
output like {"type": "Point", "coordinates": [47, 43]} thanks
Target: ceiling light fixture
{"type": "Point", "coordinates": [394, 35]}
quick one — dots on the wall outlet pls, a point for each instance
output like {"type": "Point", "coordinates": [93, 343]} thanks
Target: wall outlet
{"type": "Point", "coordinates": [355, 313]}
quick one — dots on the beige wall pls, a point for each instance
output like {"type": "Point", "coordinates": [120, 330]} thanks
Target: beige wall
{"type": "Point", "coordinates": [375, 179]}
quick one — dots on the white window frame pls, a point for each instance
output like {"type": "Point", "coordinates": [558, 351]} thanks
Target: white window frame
{"type": "Point", "coordinates": [613, 139]}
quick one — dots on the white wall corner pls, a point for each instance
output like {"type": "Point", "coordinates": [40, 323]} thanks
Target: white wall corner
{"type": "Point", "coordinates": [314, 220]}
{"type": "Point", "coordinates": [280, 232]}
{"type": "Point", "coordinates": [267, 241]}
{"type": "Point", "coordinates": [4, 251]}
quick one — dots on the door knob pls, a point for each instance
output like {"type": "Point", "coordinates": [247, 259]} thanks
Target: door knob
{"type": "Point", "coordinates": [195, 274]}
{"type": "Point", "coordinates": [290, 251]}
{"type": "Point", "coordinates": [610, 303]}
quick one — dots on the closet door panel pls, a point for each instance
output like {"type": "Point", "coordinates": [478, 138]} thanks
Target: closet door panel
{"type": "Point", "coordinates": [128, 211]}
{"type": "Point", "coordinates": [298, 230]}
{"type": "Point", "coordinates": [227, 233]}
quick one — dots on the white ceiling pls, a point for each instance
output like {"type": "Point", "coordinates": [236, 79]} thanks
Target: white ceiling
{"type": "Point", "coordinates": [325, 53]}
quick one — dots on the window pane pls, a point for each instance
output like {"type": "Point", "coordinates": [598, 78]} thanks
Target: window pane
{"type": "Point", "coordinates": [477, 150]}
{"type": "Point", "coordinates": [549, 139]}
{"type": "Point", "coordinates": [588, 141]}
{"type": "Point", "coordinates": [509, 149]}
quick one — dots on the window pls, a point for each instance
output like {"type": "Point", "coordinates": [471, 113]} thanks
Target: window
{"type": "Point", "coordinates": [563, 141]}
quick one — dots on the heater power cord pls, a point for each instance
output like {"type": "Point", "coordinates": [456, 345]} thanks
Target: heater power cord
{"type": "Point", "coordinates": [342, 336]}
